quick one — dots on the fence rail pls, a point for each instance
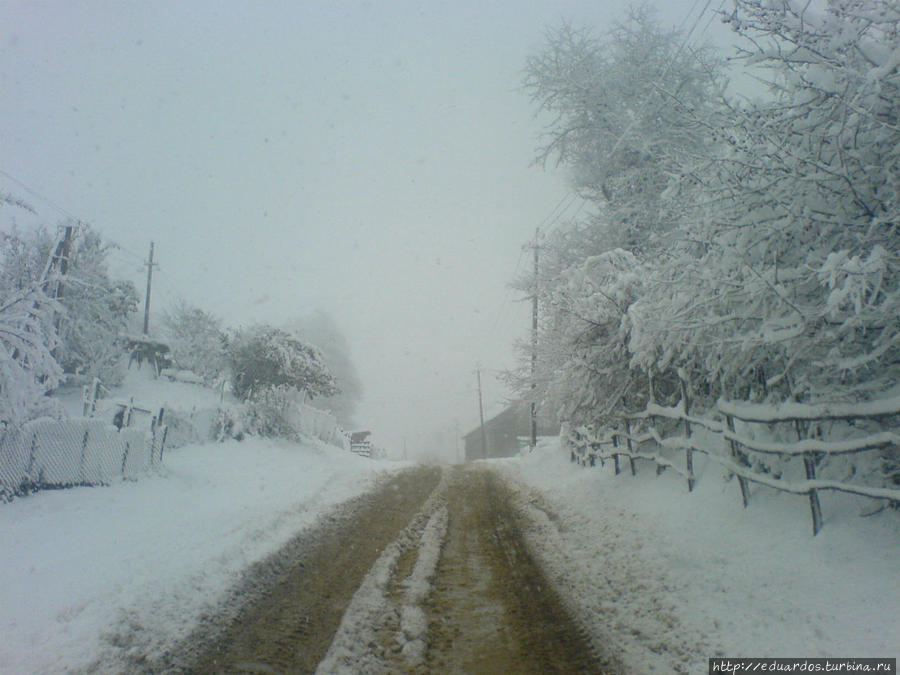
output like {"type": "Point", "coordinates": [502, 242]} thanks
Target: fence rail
{"type": "Point", "coordinates": [731, 450]}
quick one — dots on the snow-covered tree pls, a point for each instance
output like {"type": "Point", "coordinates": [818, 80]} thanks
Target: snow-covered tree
{"type": "Point", "coordinates": [197, 340]}
{"type": "Point", "coordinates": [630, 111]}
{"type": "Point", "coordinates": [625, 110]}
{"type": "Point", "coordinates": [94, 309]}
{"type": "Point", "coordinates": [97, 311]}
{"type": "Point", "coordinates": [28, 369]}
{"type": "Point", "coordinates": [264, 358]}
{"type": "Point", "coordinates": [772, 271]}
{"type": "Point", "coordinates": [793, 291]}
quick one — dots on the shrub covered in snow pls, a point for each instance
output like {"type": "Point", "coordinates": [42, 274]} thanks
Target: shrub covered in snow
{"type": "Point", "coordinates": [265, 359]}
{"type": "Point", "coordinates": [197, 340]}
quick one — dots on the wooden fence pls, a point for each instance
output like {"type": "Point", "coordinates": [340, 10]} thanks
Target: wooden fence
{"type": "Point", "coordinates": [639, 439]}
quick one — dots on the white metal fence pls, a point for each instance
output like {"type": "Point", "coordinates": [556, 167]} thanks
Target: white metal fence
{"type": "Point", "coordinates": [82, 451]}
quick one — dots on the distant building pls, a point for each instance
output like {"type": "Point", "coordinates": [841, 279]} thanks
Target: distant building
{"type": "Point", "coordinates": [507, 433]}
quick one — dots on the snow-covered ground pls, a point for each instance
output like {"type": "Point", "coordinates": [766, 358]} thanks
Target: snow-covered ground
{"type": "Point", "coordinates": [666, 578]}
{"type": "Point", "coordinates": [80, 568]}
{"type": "Point", "coordinates": [669, 578]}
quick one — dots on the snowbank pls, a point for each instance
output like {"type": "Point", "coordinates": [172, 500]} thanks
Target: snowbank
{"type": "Point", "coordinates": [132, 566]}
{"type": "Point", "coordinates": [667, 579]}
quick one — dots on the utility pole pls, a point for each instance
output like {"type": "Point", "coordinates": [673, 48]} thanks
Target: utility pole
{"type": "Point", "coordinates": [59, 258]}
{"type": "Point", "coordinates": [150, 265]}
{"type": "Point", "coordinates": [534, 340]}
{"type": "Point", "coordinates": [481, 414]}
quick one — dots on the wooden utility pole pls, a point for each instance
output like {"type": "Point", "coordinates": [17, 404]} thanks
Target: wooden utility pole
{"type": "Point", "coordinates": [534, 340]}
{"type": "Point", "coordinates": [150, 265]}
{"type": "Point", "coordinates": [481, 414]}
{"type": "Point", "coordinates": [58, 259]}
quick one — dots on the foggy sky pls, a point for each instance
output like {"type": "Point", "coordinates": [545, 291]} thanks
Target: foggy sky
{"type": "Point", "coordinates": [369, 158]}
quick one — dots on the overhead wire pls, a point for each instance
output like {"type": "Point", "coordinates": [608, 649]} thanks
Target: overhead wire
{"type": "Point", "coordinates": [117, 253]}
{"type": "Point", "coordinates": [713, 16]}
{"type": "Point", "coordinates": [687, 16]}
{"type": "Point", "coordinates": [665, 73]}
{"type": "Point", "coordinates": [116, 246]}
{"type": "Point", "coordinates": [552, 217]}
{"type": "Point", "coordinates": [38, 195]}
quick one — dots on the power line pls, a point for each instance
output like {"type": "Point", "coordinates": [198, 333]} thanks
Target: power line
{"type": "Point", "coordinates": [569, 196]}
{"type": "Point", "coordinates": [553, 216]}
{"type": "Point", "coordinates": [713, 16]}
{"type": "Point", "coordinates": [687, 16]}
{"type": "Point", "coordinates": [135, 256]}
{"type": "Point", "coordinates": [556, 223]}
{"type": "Point", "coordinates": [38, 195]}
{"type": "Point", "coordinates": [67, 214]}
{"type": "Point", "coordinates": [669, 65]}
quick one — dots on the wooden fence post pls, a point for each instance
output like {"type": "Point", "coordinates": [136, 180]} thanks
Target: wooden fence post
{"type": "Point", "coordinates": [616, 454]}
{"type": "Point", "coordinates": [162, 442]}
{"type": "Point", "coordinates": [152, 439]}
{"type": "Point", "coordinates": [89, 398]}
{"type": "Point", "coordinates": [809, 463]}
{"type": "Point", "coordinates": [32, 453]}
{"type": "Point", "coordinates": [84, 443]}
{"type": "Point", "coordinates": [629, 445]}
{"type": "Point", "coordinates": [125, 456]}
{"type": "Point", "coordinates": [689, 451]}
{"type": "Point", "coordinates": [745, 490]}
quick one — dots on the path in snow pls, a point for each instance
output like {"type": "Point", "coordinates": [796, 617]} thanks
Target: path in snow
{"type": "Point", "coordinates": [491, 609]}
{"type": "Point", "coordinates": [427, 573]}
{"type": "Point", "coordinates": [291, 604]}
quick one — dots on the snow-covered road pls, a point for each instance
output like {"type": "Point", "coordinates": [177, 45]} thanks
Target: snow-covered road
{"type": "Point", "coordinates": [657, 579]}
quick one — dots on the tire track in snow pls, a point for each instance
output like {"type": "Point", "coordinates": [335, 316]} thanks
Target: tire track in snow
{"type": "Point", "coordinates": [377, 633]}
{"type": "Point", "coordinates": [283, 615]}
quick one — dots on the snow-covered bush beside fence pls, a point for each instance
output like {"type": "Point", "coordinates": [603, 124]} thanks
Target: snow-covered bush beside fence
{"type": "Point", "coordinates": [81, 451]}
{"type": "Point", "coordinates": [286, 419]}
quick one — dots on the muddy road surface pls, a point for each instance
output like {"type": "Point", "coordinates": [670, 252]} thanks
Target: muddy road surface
{"type": "Point", "coordinates": [428, 573]}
